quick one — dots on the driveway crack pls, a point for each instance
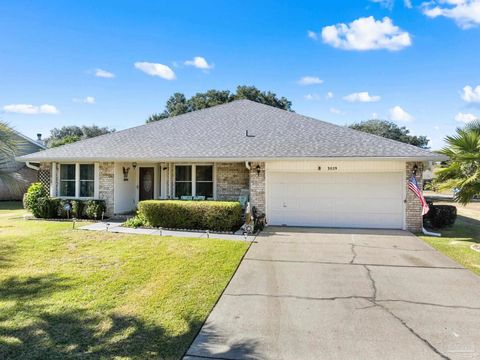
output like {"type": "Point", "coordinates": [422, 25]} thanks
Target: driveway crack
{"type": "Point", "coordinates": [374, 300]}
{"type": "Point", "coordinates": [431, 304]}
{"type": "Point", "coordinates": [332, 298]}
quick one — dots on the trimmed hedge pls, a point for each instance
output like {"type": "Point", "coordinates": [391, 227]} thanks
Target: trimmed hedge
{"type": "Point", "coordinates": [194, 215]}
{"type": "Point", "coordinates": [440, 216]}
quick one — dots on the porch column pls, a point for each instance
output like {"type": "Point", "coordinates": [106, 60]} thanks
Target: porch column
{"type": "Point", "coordinates": [53, 180]}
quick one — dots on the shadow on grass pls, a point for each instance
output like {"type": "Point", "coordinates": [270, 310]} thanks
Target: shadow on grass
{"type": "Point", "coordinates": [30, 329]}
{"type": "Point", "coordinates": [469, 220]}
{"type": "Point", "coordinates": [6, 252]}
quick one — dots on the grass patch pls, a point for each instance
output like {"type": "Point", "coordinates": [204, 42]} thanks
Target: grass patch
{"type": "Point", "coordinates": [74, 294]}
{"type": "Point", "coordinates": [456, 241]}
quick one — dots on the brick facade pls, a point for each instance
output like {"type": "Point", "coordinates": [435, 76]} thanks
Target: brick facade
{"type": "Point", "coordinates": [257, 186]}
{"type": "Point", "coordinates": [106, 185]}
{"type": "Point", "coordinates": [232, 180]}
{"type": "Point", "coordinates": [413, 208]}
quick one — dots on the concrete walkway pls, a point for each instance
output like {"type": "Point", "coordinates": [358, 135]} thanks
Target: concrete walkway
{"type": "Point", "coordinates": [344, 294]}
{"type": "Point", "coordinates": [116, 227]}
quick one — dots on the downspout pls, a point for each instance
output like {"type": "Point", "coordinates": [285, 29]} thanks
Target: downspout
{"type": "Point", "coordinates": [32, 166]}
{"type": "Point", "coordinates": [429, 233]}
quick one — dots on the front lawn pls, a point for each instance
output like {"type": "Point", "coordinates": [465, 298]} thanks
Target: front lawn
{"type": "Point", "coordinates": [75, 294]}
{"type": "Point", "coordinates": [456, 241]}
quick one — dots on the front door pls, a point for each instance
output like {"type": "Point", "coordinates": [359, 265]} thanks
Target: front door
{"type": "Point", "coordinates": [146, 183]}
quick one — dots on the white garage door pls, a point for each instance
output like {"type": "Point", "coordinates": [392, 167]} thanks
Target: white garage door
{"type": "Point", "coordinates": [358, 200]}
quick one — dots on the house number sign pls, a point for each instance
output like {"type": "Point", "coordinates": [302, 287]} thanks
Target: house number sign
{"type": "Point", "coordinates": [329, 168]}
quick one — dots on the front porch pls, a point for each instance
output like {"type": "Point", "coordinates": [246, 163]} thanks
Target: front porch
{"type": "Point", "coordinates": [137, 181]}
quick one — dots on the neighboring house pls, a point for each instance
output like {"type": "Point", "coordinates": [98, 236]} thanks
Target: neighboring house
{"type": "Point", "coordinates": [298, 170]}
{"type": "Point", "coordinates": [22, 174]}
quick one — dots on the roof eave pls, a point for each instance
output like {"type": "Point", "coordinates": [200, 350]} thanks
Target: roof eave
{"type": "Point", "coordinates": [433, 157]}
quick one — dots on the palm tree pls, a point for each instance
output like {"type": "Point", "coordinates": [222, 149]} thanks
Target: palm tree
{"type": "Point", "coordinates": [463, 170]}
{"type": "Point", "coordinates": [8, 146]}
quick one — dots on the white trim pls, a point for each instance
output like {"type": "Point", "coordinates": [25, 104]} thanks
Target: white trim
{"type": "Point", "coordinates": [77, 180]}
{"type": "Point", "coordinates": [53, 180]}
{"type": "Point", "coordinates": [96, 179]}
{"type": "Point", "coordinates": [34, 158]}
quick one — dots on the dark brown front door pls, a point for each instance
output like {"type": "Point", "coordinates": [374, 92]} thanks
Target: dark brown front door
{"type": "Point", "coordinates": [146, 183]}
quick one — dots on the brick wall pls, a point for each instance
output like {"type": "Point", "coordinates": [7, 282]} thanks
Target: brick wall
{"type": "Point", "coordinates": [232, 180]}
{"type": "Point", "coordinates": [106, 185]}
{"type": "Point", "coordinates": [257, 186]}
{"type": "Point", "coordinates": [413, 208]}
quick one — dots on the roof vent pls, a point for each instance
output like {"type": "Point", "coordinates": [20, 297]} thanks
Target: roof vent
{"type": "Point", "coordinates": [248, 135]}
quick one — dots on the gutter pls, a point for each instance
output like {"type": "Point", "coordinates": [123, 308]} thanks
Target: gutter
{"type": "Point", "coordinates": [34, 167]}
{"type": "Point", "coordinates": [230, 159]}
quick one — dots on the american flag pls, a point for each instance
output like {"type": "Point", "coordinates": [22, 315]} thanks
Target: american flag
{"type": "Point", "coordinates": [413, 185]}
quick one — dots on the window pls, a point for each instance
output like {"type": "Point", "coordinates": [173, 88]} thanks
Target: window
{"type": "Point", "coordinates": [183, 181]}
{"type": "Point", "coordinates": [77, 180]}
{"type": "Point", "coordinates": [67, 180]}
{"type": "Point", "coordinates": [204, 181]}
{"type": "Point", "coordinates": [87, 179]}
{"type": "Point", "coordinates": [194, 180]}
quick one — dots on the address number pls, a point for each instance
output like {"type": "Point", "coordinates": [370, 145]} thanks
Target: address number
{"type": "Point", "coordinates": [329, 168]}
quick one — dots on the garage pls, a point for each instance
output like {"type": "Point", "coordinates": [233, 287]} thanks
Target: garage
{"type": "Point", "coordinates": [335, 199]}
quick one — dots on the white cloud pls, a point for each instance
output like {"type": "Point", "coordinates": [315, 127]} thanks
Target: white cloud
{"type": "Point", "coordinates": [310, 80]}
{"type": "Point", "coordinates": [335, 111]}
{"type": "Point", "coordinates": [104, 74]}
{"type": "Point", "coordinates": [312, 35]}
{"type": "Point", "coordinates": [398, 114]}
{"type": "Point", "coordinates": [86, 100]}
{"type": "Point", "coordinates": [363, 96]}
{"type": "Point", "coordinates": [465, 118]}
{"type": "Point", "coordinates": [388, 4]}
{"type": "Point", "coordinates": [29, 109]}
{"type": "Point", "coordinates": [466, 13]}
{"type": "Point", "coordinates": [407, 4]}
{"type": "Point", "coordinates": [329, 95]}
{"type": "Point", "coordinates": [366, 34]}
{"type": "Point", "coordinates": [437, 128]}
{"type": "Point", "coordinates": [154, 69]}
{"type": "Point", "coordinates": [312, 97]}
{"type": "Point", "coordinates": [471, 94]}
{"type": "Point", "coordinates": [199, 62]}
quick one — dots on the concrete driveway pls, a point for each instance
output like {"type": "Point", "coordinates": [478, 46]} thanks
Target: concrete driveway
{"type": "Point", "coordinates": [344, 294]}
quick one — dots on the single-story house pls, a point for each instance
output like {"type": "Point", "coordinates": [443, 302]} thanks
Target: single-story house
{"type": "Point", "coordinates": [298, 170]}
{"type": "Point", "coordinates": [18, 171]}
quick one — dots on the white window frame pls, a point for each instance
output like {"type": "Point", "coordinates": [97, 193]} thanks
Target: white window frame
{"type": "Point", "coordinates": [194, 178]}
{"type": "Point", "coordinates": [77, 181]}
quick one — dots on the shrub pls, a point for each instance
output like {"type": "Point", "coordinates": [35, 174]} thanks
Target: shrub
{"type": "Point", "coordinates": [195, 215]}
{"type": "Point", "coordinates": [441, 216]}
{"type": "Point", "coordinates": [136, 221]}
{"type": "Point", "coordinates": [78, 208]}
{"type": "Point", "coordinates": [34, 193]}
{"type": "Point", "coordinates": [47, 207]}
{"type": "Point", "coordinates": [94, 209]}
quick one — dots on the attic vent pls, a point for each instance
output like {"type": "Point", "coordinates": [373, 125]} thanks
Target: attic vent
{"type": "Point", "coordinates": [248, 135]}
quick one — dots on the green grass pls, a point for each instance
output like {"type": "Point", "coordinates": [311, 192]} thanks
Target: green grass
{"type": "Point", "coordinates": [75, 294]}
{"type": "Point", "coordinates": [456, 242]}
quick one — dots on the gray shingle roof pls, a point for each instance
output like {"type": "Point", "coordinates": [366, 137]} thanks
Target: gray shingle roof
{"type": "Point", "coordinates": [219, 133]}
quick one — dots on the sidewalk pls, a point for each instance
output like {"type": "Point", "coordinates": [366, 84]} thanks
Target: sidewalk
{"type": "Point", "coordinates": [116, 227]}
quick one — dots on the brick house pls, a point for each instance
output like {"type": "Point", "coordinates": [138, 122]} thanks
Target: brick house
{"type": "Point", "coordinates": [298, 170]}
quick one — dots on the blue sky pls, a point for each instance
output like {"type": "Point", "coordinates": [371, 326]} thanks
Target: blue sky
{"type": "Point", "coordinates": [415, 63]}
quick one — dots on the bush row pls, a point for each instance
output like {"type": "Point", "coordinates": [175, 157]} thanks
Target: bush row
{"type": "Point", "coordinates": [440, 216]}
{"type": "Point", "coordinates": [42, 205]}
{"type": "Point", "coordinates": [195, 215]}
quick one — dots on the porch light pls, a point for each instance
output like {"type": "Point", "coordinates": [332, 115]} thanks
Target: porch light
{"type": "Point", "coordinates": [134, 164]}
{"type": "Point", "coordinates": [258, 170]}
{"type": "Point", "coordinates": [414, 169]}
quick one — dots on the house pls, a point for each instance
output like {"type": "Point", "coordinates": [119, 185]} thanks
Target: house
{"type": "Point", "coordinates": [23, 175]}
{"type": "Point", "coordinates": [298, 170]}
